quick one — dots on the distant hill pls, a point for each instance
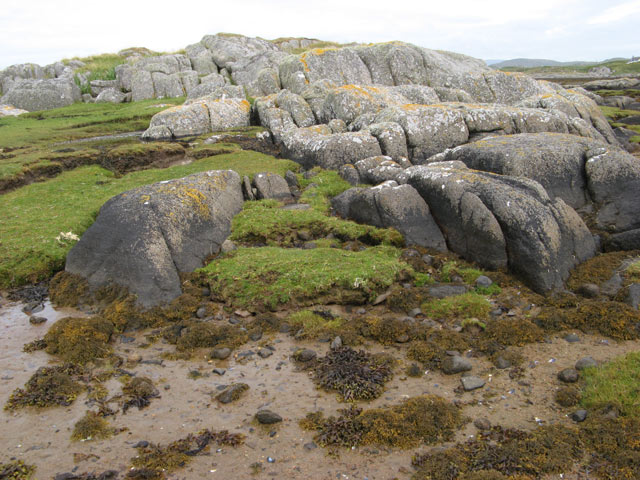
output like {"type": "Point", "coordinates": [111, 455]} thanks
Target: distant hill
{"type": "Point", "coordinates": [535, 62]}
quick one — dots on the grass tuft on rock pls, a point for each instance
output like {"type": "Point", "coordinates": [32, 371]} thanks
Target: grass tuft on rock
{"type": "Point", "coordinates": [264, 222]}
{"type": "Point", "coordinates": [16, 470]}
{"type": "Point", "coordinates": [467, 305]}
{"type": "Point", "coordinates": [154, 460]}
{"type": "Point", "coordinates": [49, 387]}
{"type": "Point", "coordinates": [79, 340]}
{"type": "Point", "coordinates": [269, 277]}
{"type": "Point", "coordinates": [312, 325]}
{"type": "Point", "coordinates": [355, 375]}
{"type": "Point", "coordinates": [426, 419]}
{"type": "Point", "coordinates": [92, 427]}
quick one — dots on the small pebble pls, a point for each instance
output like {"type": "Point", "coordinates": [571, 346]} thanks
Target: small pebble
{"type": "Point", "coordinates": [585, 362]}
{"type": "Point", "coordinates": [264, 353]}
{"type": "Point", "coordinates": [201, 312]}
{"type": "Point", "coordinates": [483, 281]}
{"type": "Point", "coordinates": [568, 375]}
{"type": "Point", "coordinates": [219, 371]}
{"type": "Point", "coordinates": [482, 423]}
{"type": "Point", "coordinates": [579, 416]}
{"type": "Point", "coordinates": [34, 320]}
{"type": "Point", "coordinates": [271, 460]}
{"type": "Point", "coordinates": [310, 446]}
{"type": "Point", "coordinates": [472, 383]}
{"type": "Point", "coordinates": [572, 338]}
{"type": "Point", "coordinates": [336, 343]}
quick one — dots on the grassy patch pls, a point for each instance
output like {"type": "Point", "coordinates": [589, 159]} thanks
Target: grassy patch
{"type": "Point", "coordinates": [467, 305]}
{"type": "Point", "coordinates": [614, 113]}
{"type": "Point", "coordinates": [314, 325]}
{"type": "Point", "coordinates": [328, 185]}
{"type": "Point", "coordinates": [427, 419]}
{"type": "Point", "coordinates": [91, 427]}
{"type": "Point", "coordinates": [34, 215]}
{"type": "Point", "coordinates": [268, 277]}
{"type": "Point", "coordinates": [48, 387]}
{"type": "Point", "coordinates": [452, 269]}
{"type": "Point", "coordinates": [615, 383]}
{"type": "Point", "coordinates": [79, 340]}
{"type": "Point", "coordinates": [632, 272]}
{"type": "Point", "coordinates": [264, 222]}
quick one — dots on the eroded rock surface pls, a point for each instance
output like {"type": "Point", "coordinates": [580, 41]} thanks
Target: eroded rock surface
{"type": "Point", "coordinates": [144, 238]}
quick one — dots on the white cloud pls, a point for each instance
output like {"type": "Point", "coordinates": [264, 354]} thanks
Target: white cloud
{"type": "Point", "coordinates": [616, 13]}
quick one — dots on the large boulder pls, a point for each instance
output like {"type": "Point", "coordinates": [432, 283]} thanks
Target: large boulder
{"type": "Point", "coordinates": [144, 238]}
{"type": "Point", "coordinates": [502, 221]}
{"type": "Point", "coordinates": [318, 146]}
{"type": "Point", "coordinates": [581, 171]}
{"type": "Point", "coordinates": [207, 114]}
{"type": "Point", "coordinates": [46, 94]}
{"type": "Point", "coordinates": [392, 205]}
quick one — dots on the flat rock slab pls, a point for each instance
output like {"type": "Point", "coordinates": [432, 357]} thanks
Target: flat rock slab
{"type": "Point", "coordinates": [472, 383]}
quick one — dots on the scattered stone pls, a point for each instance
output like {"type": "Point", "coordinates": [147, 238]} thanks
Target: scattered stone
{"type": "Point", "coordinates": [483, 281]}
{"type": "Point", "coordinates": [126, 339]}
{"type": "Point", "coordinates": [304, 235]}
{"type": "Point", "coordinates": [443, 291]}
{"type": "Point", "coordinates": [414, 312]}
{"type": "Point", "coordinates": [579, 416]}
{"type": "Point", "coordinates": [304, 355]}
{"type": "Point", "coordinates": [219, 371]}
{"type": "Point", "coordinates": [568, 375]}
{"type": "Point", "coordinates": [242, 313]}
{"type": "Point", "coordinates": [134, 358]}
{"type": "Point", "coordinates": [455, 364]}
{"type": "Point", "coordinates": [267, 417]}
{"type": "Point", "coordinates": [585, 362]}
{"type": "Point", "coordinates": [402, 338]}
{"type": "Point", "coordinates": [336, 343]}
{"type": "Point", "coordinates": [201, 312]}
{"type": "Point", "coordinates": [310, 446]}
{"type": "Point", "coordinates": [382, 297]}
{"type": "Point", "coordinates": [472, 383]}
{"type": "Point", "coordinates": [633, 296]}
{"type": "Point", "coordinates": [589, 290]}
{"type": "Point", "coordinates": [264, 353]}
{"type": "Point", "coordinates": [414, 370]}
{"type": "Point", "coordinates": [502, 363]}
{"type": "Point", "coordinates": [285, 328]}
{"type": "Point", "coordinates": [33, 307]}
{"type": "Point", "coordinates": [228, 246]}
{"type": "Point", "coordinates": [232, 393]}
{"type": "Point", "coordinates": [572, 338]}
{"type": "Point", "coordinates": [35, 320]}
{"type": "Point", "coordinates": [221, 353]}
{"type": "Point", "coordinates": [141, 444]}
{"type": "Point", "coordinates": [271, 460]}
{"type": "Point", "coordinates": [255, 336]}
{"type": "Point", "coordinates": [612, 286]}
{"type": "Point", "coordinates": [482, 423]}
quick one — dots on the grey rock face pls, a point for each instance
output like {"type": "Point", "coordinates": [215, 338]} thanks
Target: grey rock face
{"type": "Point", "coordinates": [317, 146]}
{"type": "Point", "coordinates": [110, 95]}
{"type": "Point", "coordinates": [271, 185]}
{"type": "Point", "coordinates": [502, 221]}
{"type": "Point", "coordinates": [33, 95]}
{"type": "Point", "coordinates": [142, 239]}
{"type": "Point", "coordinates": [455, 364]}
{"type": "Point", "coordinates": [578, 170]}
{"type": "Point", "coordinates": [297, 107]}
{"type": "Point", "coordinates": [392, 205]}
{"type": "Point", "coordinates": [633, 296]}
{"type": "Point", "coordinates": [202, 116]}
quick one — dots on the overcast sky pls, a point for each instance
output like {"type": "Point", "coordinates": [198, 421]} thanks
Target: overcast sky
{"type": "Point", "coordinates": [43, 31]}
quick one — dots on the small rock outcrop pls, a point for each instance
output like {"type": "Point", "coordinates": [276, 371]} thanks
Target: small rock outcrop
{"type": "Point", "coordinates": [144, 238]}
{"type": "Point", "coordinates": [503, 221]}
{"type": "Point", "coordinates": [392, 205]}
{"type": "Point", "coordinates": [45, 94]}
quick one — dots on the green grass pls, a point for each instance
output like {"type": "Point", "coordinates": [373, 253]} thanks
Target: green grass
{"type": "Point", "coordinates": [453, 268]}
{"type": "Point", "coordinates": [272, 276]}
{"type": "Point", "coordinates": [468, 305]}
{"type": "Point", "coordinates": [329, 184]}
{"type": "Point", "coordinates": [264, 222]}
{"type": "Point", "coordinates": [614, 383]}
{"type": "Point", "coordinates": [313, 325]}
{"type": "Point", "coordinates": [34, 215]}
{"type": "Point", "coordinates": [28, 140]}
{"type": "Point", "coordinates": [614, 113]}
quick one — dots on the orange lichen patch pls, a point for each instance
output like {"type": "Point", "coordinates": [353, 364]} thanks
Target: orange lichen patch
{"type": "Point", "coordinates": [246, 106]}
{"type": "Point", "coordinates": [303, 60]}
{"type": "Point", "coordinates": [358, 90]}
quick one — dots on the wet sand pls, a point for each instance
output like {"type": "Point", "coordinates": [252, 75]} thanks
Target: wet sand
{"type": "Point", "coordinates": [42, 437]}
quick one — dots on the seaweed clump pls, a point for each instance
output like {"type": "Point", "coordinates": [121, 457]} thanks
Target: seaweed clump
{"type": "Point", "coordinates": [501, 452]}
{"type": "Point", "coordinates": [138, 393]}
{"type": "Point", "coordinates": [16, 470]}
{"type": "Point", "coordinates": [355, 375]}
{"type": "Point", "coordinates": [79, 340]}
{"type": "Point", "coordinates": [153, 460]}
{"type": "Point", "coordinates": [91, 427]}
{"type": "Point", "coordinates": [208, 335]}
{"type": "Point", "coordinates": [49, 386]}
{"type": "Point", "coordinates": [426, 419]}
